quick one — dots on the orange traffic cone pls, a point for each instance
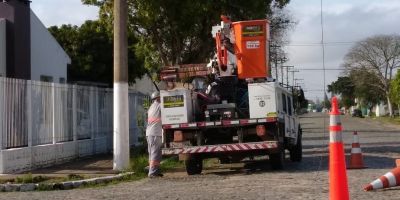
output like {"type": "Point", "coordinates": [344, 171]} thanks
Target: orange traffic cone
{"type": "Point", "coordinates": [338, 189]}
{"type": "Point", "coordinates": [390, 179]}
{"type": "Point", "coordinates": [356, 158]}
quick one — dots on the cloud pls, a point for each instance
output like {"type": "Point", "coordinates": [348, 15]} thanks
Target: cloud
{"type": "Point", "coordinates": [345, 22]}
{"type": "Point", "coordinates": [58, 12]}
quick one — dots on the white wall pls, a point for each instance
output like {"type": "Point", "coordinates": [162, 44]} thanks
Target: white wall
{"type": "Point", "coordinates": [2, 47]}
{"type": "Point", "coordinates": [47, 56]}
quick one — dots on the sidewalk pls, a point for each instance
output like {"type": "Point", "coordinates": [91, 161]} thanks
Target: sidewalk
{"type": "Point", "coordinates": [94, 166]}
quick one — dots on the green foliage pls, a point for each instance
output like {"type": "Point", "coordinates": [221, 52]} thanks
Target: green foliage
{"type": "Point", "coordinates": [26, 178]}
{"type": "Point", "coordinates": [299, 100]}
{"type": "Point", "coordinates": [395, 89]}
{"type": "Point", "coordinates": [366, 88]}
{"type": "Point", "coordinates": [73, 177]}
{"type": "Point", "coordinates": [90, 47]}
{"type": "Point", "coordinates": [344, 87]}
{"type": "Point", "coordinates": [171, 163]}
{"type": "Point", "coordinates": [376, 57]}
{"type": "Point", "coordinates": [174, 32]}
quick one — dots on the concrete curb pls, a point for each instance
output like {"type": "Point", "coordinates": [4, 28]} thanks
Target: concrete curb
{"type": "Point", "coordinates": [61, 186]}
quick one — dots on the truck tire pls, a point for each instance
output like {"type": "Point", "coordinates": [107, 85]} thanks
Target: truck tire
{"type": "Point", "coordinates": [296, 153]}
{"type": "Point", "coordinates": [277, 159]}
{"type": "Point", "coordinates": [194, 165]}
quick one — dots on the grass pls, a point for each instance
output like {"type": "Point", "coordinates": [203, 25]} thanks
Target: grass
{"type": "Point", "coordinates": [29, 178]}
{"type": "Point", "coordinates": [211, 162]}
{"type": "Point", "coordinates": [139, 160]}
{"type": "Point", "coordinates": [391, 120]}
{"type": "Point", "coordinates": [138, 163]}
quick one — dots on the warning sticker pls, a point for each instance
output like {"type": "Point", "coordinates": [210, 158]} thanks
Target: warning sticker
{"type": "Point", "coordinates": [173, 101]}
{"type": "Point", "coordinates": [253, 44]}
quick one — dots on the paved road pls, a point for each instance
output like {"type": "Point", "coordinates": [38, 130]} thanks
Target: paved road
{"type": "Point", "coordinates": [306, 180]}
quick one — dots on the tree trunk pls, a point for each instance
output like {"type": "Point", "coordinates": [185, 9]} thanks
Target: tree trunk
{"type": "Point", "coordinates": [398, 106]}
{"type": "Point", "coordinates": [389, 105]}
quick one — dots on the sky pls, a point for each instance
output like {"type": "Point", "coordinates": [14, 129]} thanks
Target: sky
{"type": "Point", "coordinates": [345, 23]}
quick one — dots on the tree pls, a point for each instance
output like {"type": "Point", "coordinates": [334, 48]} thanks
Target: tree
{"type": "Point", "coordinates": [326, 103]}
{"type": "Point", "coordinates": [368, 94]}
{"type": "Point", "coordinates": [344, 87]}
{"type": "Point", "coordinates": [395, 90]}
{"type": "Point", "coordinates": [175, 32]}
{"type": "Point", "coordinates": [90, 47]}
{"type": "Point", "coordinates": [379, 56]}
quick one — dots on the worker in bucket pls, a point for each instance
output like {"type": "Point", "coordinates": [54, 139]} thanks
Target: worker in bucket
{"type": "Point", "coordinates": [154, 136]}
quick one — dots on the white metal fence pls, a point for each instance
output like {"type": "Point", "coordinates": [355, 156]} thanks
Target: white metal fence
{"type": "Point", "coordinates": [34, 113]}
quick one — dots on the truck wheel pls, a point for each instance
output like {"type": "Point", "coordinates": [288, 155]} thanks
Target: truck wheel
{"type": "Point", "coordinates": [277, 159]}
{"type": "Point", "coordinates": [296, 153]}
{"type": "Point", "coordinates": [194, 165]}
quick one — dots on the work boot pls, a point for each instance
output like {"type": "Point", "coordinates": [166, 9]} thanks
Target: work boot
{"type": "Point", "coordinates": [158, 175]}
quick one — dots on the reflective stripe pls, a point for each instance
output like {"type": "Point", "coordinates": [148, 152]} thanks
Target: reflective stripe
{"type": "Point", "coordinates": [335, 137]}
{"type": "Point", "coordinates": [377, 184]}
{"type": "Point", "coordinates": [262, 120]}
{"type": "Point", "coordinates": [153, 119]}
{"type": "Point", "coordinates": [209, 123]}
{"type": "Point", "coordinates": [235, 122]}
{"type": "Point", "coordinates": [335, 128]}
{"type": "Point", "coordinates": [154, 163]}
{"type": "Point", "coordinates": [175, 126]}
{"type": "Point", "coordinates": [334, 120]}
{"type": "Point", "coordinates": [355, 139]}
{"type": "Point", "coordinates": [355, 150]}
{"type": "Point", "coordinates": [391, 179]}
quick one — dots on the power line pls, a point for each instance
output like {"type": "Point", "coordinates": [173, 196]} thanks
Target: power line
{"type": "Point", "coordinates": [319, 69]}
{"type": "Point", "coordinates": [319, 44]}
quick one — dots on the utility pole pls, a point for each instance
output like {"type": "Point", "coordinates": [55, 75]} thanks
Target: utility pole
{"type": "Point", "coordinates": [293, 71]}
{"type": "Point", "coordinates": [275, 59]}
{"type": "Point", "coordinates": [121, 111]}
{"type": "Point", "coordinates": [296, 81]}
{"type": "Point", "coordinates": [287, 74]}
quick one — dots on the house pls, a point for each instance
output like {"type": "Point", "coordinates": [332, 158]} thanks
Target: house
{"type": "Point", "coordinates": [27, 49]}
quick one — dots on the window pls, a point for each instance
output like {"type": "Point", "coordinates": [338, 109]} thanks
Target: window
{"type": "Point", "coordinates": [44, 78]}
{"type": "Point", "coordinates": [289, 102]}
{"type": "Point", "coordinates": [62, 80]}
{"type": "Point", "coordinates": [284, 106]}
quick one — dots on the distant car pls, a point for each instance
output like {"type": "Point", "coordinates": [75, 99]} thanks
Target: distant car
{"type": "Point", "coordinates": [356, 113]}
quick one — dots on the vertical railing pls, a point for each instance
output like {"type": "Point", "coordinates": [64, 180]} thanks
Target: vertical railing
{"type": "Point", "coordinates": [38, 113]}
{"type": "Point", "coordinates": [2, 113]}
{"type": "Point", "coordinates": [13, 107]}
{"type": "Point", "coordinates": [42, 112]}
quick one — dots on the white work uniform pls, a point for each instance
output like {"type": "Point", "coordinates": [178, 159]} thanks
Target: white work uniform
{"type": "Point", "coordinates": [154, 127]}
{"type": "Point", "coordinates": [154, 137]}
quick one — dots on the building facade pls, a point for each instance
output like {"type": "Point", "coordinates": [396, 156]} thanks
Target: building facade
{"type": "Point", "coordinates": [27, 49]}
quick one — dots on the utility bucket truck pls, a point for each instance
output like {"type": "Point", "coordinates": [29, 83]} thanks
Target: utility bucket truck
{"type": "Point", "coordinates": [229, 109]}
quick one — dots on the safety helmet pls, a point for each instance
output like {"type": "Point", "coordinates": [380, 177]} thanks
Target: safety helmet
{"type": "Point", "coordinates": [155, 95]}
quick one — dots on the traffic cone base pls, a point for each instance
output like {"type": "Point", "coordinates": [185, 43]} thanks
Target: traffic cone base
{"type": "Point", "coordinates": [338, 189]}
{"type": "Point", "coordinates": [388, 180]}
{"type": "Point", "coordinates": [356, 158]}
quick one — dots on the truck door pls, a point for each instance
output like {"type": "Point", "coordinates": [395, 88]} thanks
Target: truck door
{"type": "Point", "coordinates": [291, 116]}
{"type": "Point", "coordinates": [286, 115]}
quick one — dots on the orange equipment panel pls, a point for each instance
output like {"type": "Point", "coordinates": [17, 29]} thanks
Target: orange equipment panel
{"type": "Point", "coordinates": [251, 39]}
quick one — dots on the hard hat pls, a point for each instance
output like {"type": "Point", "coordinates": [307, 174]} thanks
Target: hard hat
{"type": "Point", "coordinates": [154, 95]}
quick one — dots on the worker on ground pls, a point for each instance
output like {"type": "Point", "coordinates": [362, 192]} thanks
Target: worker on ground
{"type": "Point", "coordinates": [154, 136]}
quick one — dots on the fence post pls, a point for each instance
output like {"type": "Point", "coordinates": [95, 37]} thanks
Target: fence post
{"type": "Point", "coordinates": [2, 113]}
{"type": "Point", "coordinates": [53, 116]}
{"type": "Point", "coordinates": [29, 110]}
{"type": "Point", "coordinates": [74, 119]}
